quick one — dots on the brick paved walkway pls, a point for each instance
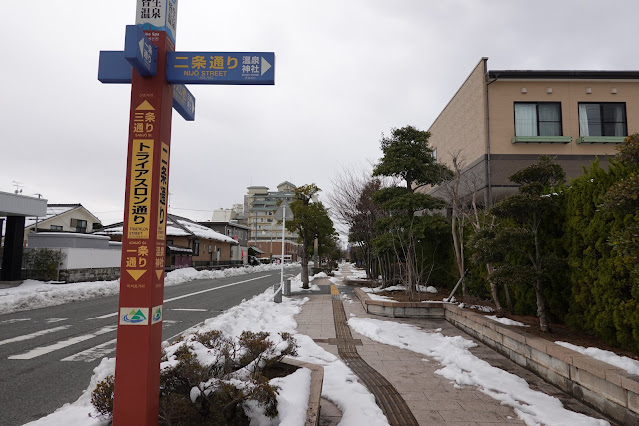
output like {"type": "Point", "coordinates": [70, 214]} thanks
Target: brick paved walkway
{"type": "Point", "coordinates": [430, 398]}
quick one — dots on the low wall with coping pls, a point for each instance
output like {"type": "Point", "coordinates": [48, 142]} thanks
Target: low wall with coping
{"type": "Point", "coordinates": [611, 390]}
{"type": "Point", "coordinates": [317, 380]}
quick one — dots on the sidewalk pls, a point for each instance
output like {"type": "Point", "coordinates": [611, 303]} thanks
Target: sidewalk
{"type": "Point", "coordinates": [404, 382]}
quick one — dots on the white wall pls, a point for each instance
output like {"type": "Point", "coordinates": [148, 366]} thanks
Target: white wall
{"type": "Point", "coordinates": [78, 258]}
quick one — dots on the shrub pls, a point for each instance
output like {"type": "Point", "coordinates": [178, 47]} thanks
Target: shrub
{"type": "Point", "coordinates": [43, 263]}
{"type": "Point", "coordinates": [212, 389]}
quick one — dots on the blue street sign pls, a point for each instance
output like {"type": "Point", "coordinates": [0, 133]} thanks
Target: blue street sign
{"type": "Point", "coordinates": [139, 51]}
{"type": "Point", "coordinates": [184, 102]}
{"type": "Point", "coordinates": [220, 67]}
{"type": "Point", "coordinates": [113, 68]}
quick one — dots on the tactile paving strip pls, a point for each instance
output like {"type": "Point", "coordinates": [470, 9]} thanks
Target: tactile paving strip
{"type": "Point", "coordinates": [386, 396]}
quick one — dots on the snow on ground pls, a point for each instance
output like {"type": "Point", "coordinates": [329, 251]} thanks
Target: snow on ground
{"type": "Point", "coordinates": [465, 369]}
{"type": "Point", "coordinates": [38, 294]}
{"type": "Point", "coordinates": [623, 362]}
{"type": "Point", "coordinates": [506, 321]}
{"type": "Point", "coordinates": [422, 288]}
{"type": "Point", "coordinates": [374, 296]}
{"type": "Point", "coordinates": [341, 385]}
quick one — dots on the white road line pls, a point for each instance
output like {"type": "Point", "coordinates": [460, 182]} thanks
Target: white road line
{"type": "Point", "coordinates": [93, 353]}
{"type": "Point", "coordinates": [42, 350]}
{"type": "Point", "coordinates": [52, 320]}
{"type": "Point", "coordinates": [11, 321]}
{"type": "Point", "coordinates": [33, 335]}
{"type": "Point", "coordinates": [214, 288]}
{"type": "Point", "coordinates": [189, 310]}
{"type": "Point", "coordinates": [102, 350]}
{"type": "Point", "coordinates": [114, 314]}
{"type": "Point", "coordinates": [190, 294]}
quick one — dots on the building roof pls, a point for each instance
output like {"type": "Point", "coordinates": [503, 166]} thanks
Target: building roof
{"type": "Point", "coordinates": [234, 224]}
{"type": "Point", "coordinates": [176, 226]}
{"type": "Point", "coordinates": [563, 74]}
{"type": "Point", "coordinates": [54, 210]}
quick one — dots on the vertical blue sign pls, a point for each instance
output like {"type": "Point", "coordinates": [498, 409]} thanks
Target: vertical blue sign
{"type": "Point", "coordinates": [139, 51]}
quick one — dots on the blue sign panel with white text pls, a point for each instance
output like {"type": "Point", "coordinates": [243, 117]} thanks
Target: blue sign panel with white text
{"type": "Point", "coordinates": [139, 51]}
{"type": "Point", "coordinates": [220, 68]}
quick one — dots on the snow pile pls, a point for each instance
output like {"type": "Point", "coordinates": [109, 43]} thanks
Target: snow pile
{"type": "Point", "coordinates": [623, 362]}
{"type": "Point", "coordinates": [296, 284]}
{"type": "Point", "coordinates": [479, 308]}
{"type": "Point", "coordinates": [464, 369]}
{"type": "Point", "coordinates": [506, 321]}
{"type": "Point", "coordinates": [340, 386]}
{"type": "Point", "coordinates": [384, 298]}
{"type": "Point", "coordinates": [421, 288]}
{"type": "Point", "coordinates": [33, 294]}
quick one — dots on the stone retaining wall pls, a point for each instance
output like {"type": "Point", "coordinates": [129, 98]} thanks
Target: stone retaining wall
{"type": "Point", "coordinates": [89, 274]}
{"type": "Point", "coordinates": [609, 389]}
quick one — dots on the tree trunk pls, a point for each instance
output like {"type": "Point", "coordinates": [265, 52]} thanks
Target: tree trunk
{"type": "Point", "coordinates": [509, 303]}
{"type": "Point", "coordinates": [493, 290]}
{"type": "Point", "coordinates": [542, 310]}
{"type": "Point", "coordinates": [304, 266]}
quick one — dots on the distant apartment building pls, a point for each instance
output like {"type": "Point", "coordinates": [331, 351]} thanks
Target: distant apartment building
{"type": "Point", "coordinates": [260, 206]}
{"type": "Point", "coordinates": [501, 121]}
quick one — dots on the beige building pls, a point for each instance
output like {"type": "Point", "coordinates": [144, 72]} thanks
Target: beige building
{"type": "Point", "coordinates": [501, 121]}
{"type": "Point", "coordinates": [260, 206]}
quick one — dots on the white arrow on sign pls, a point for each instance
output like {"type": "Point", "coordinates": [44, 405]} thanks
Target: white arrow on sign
{"type": "Point", "coordinates": [265, 66]}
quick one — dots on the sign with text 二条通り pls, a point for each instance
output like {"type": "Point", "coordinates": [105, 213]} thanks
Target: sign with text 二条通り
{"type": "Point", "coordinates": [221, 68]}
{"type": "Point", "coordinates": [158, 15]}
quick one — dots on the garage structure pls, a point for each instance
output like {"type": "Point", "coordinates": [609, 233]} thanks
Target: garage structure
{"type": "Point", "coordinates": [14, 208]}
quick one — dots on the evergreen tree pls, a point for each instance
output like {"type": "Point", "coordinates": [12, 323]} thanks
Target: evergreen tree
{"type": "Point", "coordinates": [516, 244]}
{"type": "Point", "coordinates": [310, 221]}
{"type": "Point", "coordinates": [408, 157]}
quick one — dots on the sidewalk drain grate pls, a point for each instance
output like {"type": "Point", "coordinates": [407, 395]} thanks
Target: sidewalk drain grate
{"type": "Point", "coordinates": [389, 400]}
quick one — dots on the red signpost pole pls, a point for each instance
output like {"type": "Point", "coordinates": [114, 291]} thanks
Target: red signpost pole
{"type": "Point", "coordinates": [137, 369]}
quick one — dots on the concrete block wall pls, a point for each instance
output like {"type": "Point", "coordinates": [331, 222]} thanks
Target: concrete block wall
{"type": "Point", "coordinates": [609, 389]}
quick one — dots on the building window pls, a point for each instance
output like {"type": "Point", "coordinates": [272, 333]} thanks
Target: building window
{"type": "Point", "coordinates": [196, 248]}
{"type": "Point", "coordinates": [56, 228]}
{"type": "Point", "coordinates": [79, 225]}
{"type": "Point", "coordinates": [538, 119]}
{"type": "Point", "coordinates": [602, 119]}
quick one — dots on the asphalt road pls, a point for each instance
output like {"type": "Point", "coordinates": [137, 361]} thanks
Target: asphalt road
{"type": "Point", "coordinates": [47, 355]}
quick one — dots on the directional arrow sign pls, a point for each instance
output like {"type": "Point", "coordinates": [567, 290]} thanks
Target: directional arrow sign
{"type": "Point", "coordinates": [184, 102]}
{"type": "Point", "coordinates": [113, 68]}
{"type": "Point", "coordinates": [220, 68]}
{"type": "Point", "coordinates": [139, 51]}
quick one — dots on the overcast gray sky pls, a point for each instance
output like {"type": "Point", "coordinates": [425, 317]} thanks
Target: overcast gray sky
{"type": "Point", "coordinates": [345, 71]}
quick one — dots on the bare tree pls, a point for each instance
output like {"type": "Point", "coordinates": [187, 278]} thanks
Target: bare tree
{"type": "Point", "coordinates": [351, 204]}
{"type": "Point", "coordinates": [461, 192]}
